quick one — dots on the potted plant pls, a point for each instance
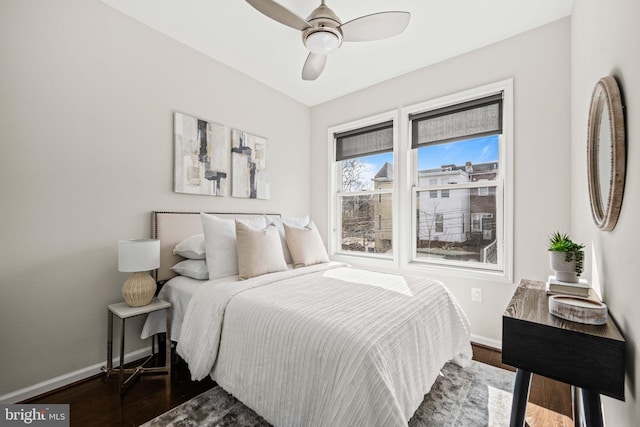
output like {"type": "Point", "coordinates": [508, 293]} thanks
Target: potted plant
{"type": "Point", "coordinates": [566, 257]}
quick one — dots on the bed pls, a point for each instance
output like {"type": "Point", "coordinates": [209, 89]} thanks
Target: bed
{"type": "Point", "coordinates": [320, 345]}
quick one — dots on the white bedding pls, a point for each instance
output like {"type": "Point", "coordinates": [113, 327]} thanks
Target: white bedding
{"type": "Point", "coordinates": [325, 345]}
{"type": "Point", "coordinates": [178, 291]}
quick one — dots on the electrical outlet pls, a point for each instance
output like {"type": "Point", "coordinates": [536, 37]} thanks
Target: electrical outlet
{"type": "Point", "coordinates": [476, 294]}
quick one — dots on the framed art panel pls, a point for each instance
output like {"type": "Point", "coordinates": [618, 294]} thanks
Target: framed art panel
{"type": "Point", "coordinates": [201, 156]}
{"type": "Point", "coordinates": [249, 166]}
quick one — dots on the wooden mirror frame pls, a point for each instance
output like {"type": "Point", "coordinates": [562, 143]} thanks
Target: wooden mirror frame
{"type": "Point", "coordinates": [606, 99]}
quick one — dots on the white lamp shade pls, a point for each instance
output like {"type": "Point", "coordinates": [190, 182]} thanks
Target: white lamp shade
{"type": "Point", "coordinates": [137, 255]}
{"type": "Point", "coordinates": [322, 42]}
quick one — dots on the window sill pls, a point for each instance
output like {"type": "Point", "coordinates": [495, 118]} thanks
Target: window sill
{"type": "Point", "coordinates": [366, 260]}
{"type": "Point", "coordinates": [467, 273]}
{"type": "Point", "coordinates": [417, 268]}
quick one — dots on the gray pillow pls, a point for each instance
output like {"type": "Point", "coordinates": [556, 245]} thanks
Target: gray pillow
{"type": "Point", "coordinates": [194, 268]}
{"type": "Point", "coordinates": [191, 247]}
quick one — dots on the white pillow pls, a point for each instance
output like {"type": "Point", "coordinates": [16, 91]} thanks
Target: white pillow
{"type": "Point", "coordinates": [305, 245]}
{"type": "Point", "coordinates": [191, 247]}
{"type": "Point", "coordinates": [292, 222]}
{"type": "Point", "coordinates": [194, 268]}
{"type": "Point", "coordinates": [220, 243]}
{"type": "Point", "coordinates": [259, 250]}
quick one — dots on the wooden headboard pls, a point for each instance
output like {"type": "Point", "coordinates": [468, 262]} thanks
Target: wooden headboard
{"type": "Point", "coordinates": [173, 227]}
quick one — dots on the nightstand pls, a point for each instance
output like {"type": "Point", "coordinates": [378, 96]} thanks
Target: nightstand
{"type": "Point", "coordinates": [589, 357]}
{"type": "Point", "coordinates": [124, 311]}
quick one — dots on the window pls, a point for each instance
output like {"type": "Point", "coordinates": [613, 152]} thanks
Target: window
{"type": "Point", "coordinates": [457, 151]}
{"type": "Point", "coordinates": [484, 191]}
{"type": "Point", "coordinates": [363, 220]}
{"type": "Point", "coordinates": [435, 192]}
{"type": "Point", "coordinates": [481, 222]}
{"type": "Point", "coordinates": [476, 222]}
{"type": "Point", "coordinates": [439, 228]}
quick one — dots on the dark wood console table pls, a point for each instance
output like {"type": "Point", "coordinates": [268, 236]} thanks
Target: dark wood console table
{"type": "Point", "coordinates": [589, 357]}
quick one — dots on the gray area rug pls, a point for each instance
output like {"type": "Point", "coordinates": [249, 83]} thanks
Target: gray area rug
{"type": "Point", "coordinates": [479, 395]}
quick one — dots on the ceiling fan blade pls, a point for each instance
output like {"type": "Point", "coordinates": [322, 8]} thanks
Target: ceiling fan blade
{"type": "Point", "coordinates": [375, 27]}
{"type": "Point", "coordinates": [280, 13]}
{"type": "Point", "coordinates": [313, 66]}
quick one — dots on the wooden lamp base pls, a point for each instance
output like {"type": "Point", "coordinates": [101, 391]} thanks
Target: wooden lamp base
{"type": "Point", "coordinates": [139, 289]}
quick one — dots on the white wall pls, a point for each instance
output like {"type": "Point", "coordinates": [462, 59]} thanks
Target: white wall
{"type": "Point", "coordinates": [86, 151]}
{"type": "Point", "coordinates": [605, 38]}
{"type": "Point", "coordinates": [539, 63]}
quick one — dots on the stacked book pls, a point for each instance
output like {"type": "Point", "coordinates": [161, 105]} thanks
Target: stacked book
{"type": "Point", "coordinates": [580, 289]}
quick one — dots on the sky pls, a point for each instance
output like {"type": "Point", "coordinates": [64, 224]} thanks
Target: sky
{"type": "Point", "coordinates": [476, 150]}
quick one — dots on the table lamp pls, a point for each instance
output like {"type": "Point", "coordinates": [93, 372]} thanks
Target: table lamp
{"type": "Point", "coordinates": [138, 256]}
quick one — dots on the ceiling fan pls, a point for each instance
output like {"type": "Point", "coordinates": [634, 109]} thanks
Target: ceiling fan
{"type": "Point", "coordinates": [323, 32]}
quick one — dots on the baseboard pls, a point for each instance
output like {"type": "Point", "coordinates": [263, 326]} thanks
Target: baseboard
{"type": "Point", "coordinates": [69, 378]}
{"type": "Point", "coordinates": [487, 342]}
{"type": "Point", "coordinates": [80, 374]}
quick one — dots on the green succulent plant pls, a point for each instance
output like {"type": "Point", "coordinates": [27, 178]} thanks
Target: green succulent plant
{"type": "Point", "coordinates": [561, 242]}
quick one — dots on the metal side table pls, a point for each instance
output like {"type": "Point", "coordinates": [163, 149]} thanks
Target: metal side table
{"type": "Point", "coordinates": [124, 311]}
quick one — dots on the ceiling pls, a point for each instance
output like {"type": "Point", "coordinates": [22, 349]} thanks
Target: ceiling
{"type": "Point", "coordinates": [233, 32]}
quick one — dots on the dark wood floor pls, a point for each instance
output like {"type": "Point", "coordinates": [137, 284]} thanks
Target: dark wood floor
{"type": "Point", "coordinates": [96, 402]}
{"type": "Point", "coordinates": [550, 402]}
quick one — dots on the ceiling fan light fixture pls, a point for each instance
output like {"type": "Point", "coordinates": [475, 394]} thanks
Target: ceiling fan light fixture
{"type": "Point", "coordinates": [323, 41]}
{"type": "Point", "coordinates": [323, 31]}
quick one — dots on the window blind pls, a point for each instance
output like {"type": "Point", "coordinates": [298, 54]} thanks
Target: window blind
{"type": "Point", "coordinates": [471, 119]}
{"type": "Point", "coordinates": [374, 139]}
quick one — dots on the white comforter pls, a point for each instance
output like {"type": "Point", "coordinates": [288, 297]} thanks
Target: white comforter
{"type": "Point", "coordinates": [325, 345]}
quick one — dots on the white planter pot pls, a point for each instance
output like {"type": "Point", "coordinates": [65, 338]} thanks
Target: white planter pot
{"type": "Point", "coordinates": [565, 271]}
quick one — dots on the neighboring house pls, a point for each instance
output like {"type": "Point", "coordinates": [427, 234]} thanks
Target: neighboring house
{"type": "Point", "coordinates": [382, 209]}
{"type": "Point", "coordinates": [442, 215]}
{"type": "Point", "coordinates": [482, 203]}
{"type": "Point", "coordinates": [448, 217]}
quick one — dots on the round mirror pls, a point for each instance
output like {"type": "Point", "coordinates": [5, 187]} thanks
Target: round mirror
{"type": "Point", "coordinates": [606, 153]}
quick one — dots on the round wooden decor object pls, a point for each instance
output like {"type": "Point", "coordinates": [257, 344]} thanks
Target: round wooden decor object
{"type": "Point", "coordinates": [576, 309]}
{"type": "Point", "coordinates": [606, 153]}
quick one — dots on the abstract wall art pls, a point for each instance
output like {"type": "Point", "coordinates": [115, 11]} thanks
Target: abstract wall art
{"type": "Point", "coordinates": [201, 156]}
{"type": "Point", "coordinates": [249, 166]}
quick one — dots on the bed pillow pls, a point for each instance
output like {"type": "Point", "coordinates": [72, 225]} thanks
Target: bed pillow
{"type": "Point", "coordinates": [292, 222]}
{"type": "Point", "coordinates": [194, 268]}
{"type": "Point", "coordinates": [259, 250]}
{"type": "Point", "coordinates": [191, 247]}
{"type": "Point", "coordinates": [305, 245]}
{"type": "Point", "coordinates": [220, 243]}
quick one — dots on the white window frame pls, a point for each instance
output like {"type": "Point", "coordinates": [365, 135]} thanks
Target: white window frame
{"type": "Point", "coordinates": [504, 190]}
{"type": "Point", "coordinates": [403, 198]}
{"type": "Point", "coordinates": [334, 245]}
